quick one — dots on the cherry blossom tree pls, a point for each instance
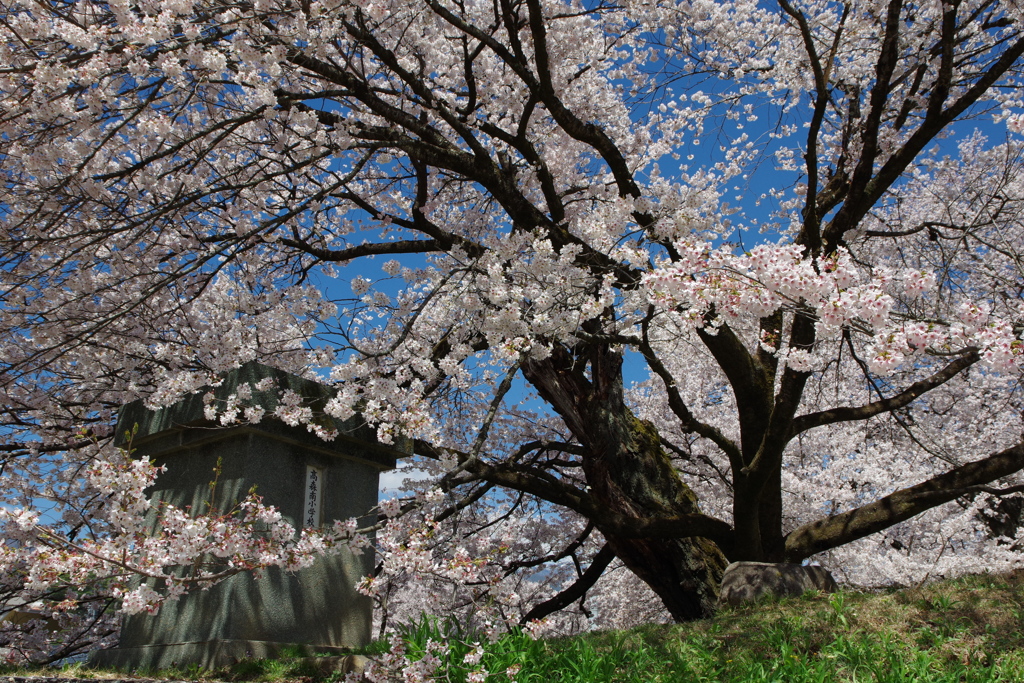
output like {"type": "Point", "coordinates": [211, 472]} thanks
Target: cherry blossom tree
{"type": "Point", "coordinates": [601, 356]}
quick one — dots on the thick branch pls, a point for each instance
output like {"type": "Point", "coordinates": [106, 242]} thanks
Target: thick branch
{"type": "Point", "coordinates": [368, 249]}
{"type": "Point", "coordinates": [900, 506]}
{"type": "Point", "coordinates": [693, 525]}
{"type": "Point", "coordinates": [750, 384]}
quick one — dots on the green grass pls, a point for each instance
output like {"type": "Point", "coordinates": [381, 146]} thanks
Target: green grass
{"type": "Point", "coordinates": [969, 630]}
{"type": "Point", "coordinates": [965, 630]}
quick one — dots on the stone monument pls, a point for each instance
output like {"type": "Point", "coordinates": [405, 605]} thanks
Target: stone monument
{"type": "Point", "coordinates": [311, 482]}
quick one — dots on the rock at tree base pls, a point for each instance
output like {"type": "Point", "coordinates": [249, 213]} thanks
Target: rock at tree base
{"type": "Point", "coordinates": [750, 581]}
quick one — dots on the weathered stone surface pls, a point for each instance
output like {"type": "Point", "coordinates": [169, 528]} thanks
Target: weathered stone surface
{"type": "Point", "coordinates": [750, 581]}
{"type": "Point", "coordinates": [324, 666]}
{"type": "Point", "coordinates": [249, 616]}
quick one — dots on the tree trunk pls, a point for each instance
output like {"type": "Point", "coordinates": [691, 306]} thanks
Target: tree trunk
{"type": "Point", "coordinates": [632, 475]}
{"type": "Point", "coordinates": [629, 473]}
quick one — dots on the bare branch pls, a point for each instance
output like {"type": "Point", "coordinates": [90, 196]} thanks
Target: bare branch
{"type": "Point", "coordinates": [900, 400]}
{"type": "Point", "coordinates": [576, 591]}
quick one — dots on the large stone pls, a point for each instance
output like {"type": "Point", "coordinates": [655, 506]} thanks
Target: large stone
{"type": "Point", "coordinates": [751, 581]}
{"type": "Point", "coordinates": [310, 481]}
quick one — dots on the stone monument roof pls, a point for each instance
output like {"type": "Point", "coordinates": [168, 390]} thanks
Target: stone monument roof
{"type": "Point", "coordinates": [189, 414]}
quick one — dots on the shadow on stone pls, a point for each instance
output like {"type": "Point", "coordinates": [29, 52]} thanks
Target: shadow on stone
{"type": "Point", "coordinates": [751, 581]}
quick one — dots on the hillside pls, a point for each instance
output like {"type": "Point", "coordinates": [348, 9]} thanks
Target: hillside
{"type": "Point", "coordinates": [966, 630]}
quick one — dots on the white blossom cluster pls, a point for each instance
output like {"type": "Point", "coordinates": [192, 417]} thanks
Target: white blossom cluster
{"type": "Point", "coordinates": [473, 223]}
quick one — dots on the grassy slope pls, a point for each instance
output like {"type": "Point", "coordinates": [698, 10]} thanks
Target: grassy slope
{"type": "Point", "coordinates": [969, 629]}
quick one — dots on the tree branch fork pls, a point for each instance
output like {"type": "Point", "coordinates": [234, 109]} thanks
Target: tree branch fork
{"type": "Point", "coordinates": [801, 543]}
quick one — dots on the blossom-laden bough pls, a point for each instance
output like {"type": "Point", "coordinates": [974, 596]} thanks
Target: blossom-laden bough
{"type": "Point", "coordinates": [602, 361]}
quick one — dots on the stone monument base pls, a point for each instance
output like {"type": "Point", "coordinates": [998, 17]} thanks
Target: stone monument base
{"type": "Point", "coordinates": [216, 653]}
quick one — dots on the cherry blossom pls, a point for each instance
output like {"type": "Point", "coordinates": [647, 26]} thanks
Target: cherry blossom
{"type": "Point", "coordinates": [644, 288]}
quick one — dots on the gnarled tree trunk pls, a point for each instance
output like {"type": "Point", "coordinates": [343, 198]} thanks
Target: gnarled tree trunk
{"type": "Point", "coordinates": [630, 474]}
